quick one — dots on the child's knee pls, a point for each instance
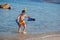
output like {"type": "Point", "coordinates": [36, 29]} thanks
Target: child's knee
{"type": "Point", "coordinates": [24, 26]}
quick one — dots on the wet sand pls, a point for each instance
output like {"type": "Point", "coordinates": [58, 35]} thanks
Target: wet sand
{"type": "Point", "coordinates": [20, 36]}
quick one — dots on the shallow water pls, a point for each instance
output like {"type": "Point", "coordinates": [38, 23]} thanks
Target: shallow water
{"type": "Point", "coordinates": [47, 17]}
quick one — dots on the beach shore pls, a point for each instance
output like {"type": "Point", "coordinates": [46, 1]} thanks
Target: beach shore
{"type": "Point", "coordinates": [20, 36]}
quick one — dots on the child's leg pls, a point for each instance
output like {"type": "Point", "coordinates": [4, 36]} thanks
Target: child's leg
{"type": "Point", "coordinates": [24, 25]}
{"type": "Point", "coordinates": [24, 29]}
{"type": "Point", "coordinates": [19, 28]}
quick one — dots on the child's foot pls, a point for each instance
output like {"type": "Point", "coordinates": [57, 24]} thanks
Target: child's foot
{"type": "Point", "coordinates": [24, 32]}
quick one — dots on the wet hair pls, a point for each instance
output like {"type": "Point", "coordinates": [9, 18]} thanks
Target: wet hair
{"type": "Point", "coordinates": [23, 11]}
{"type": "Point", "coordinates": [9, 8]}
{"type": "Point", "coordinates": [0, 6]}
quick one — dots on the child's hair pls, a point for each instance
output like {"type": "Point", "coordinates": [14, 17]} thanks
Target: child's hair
{"type": "Point", "coordinates": [23, 11]}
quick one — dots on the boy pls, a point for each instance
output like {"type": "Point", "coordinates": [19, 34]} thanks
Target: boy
{"type": "Point", "coordinates": [5, 6]}
{"type": "Point", "coordinates": [21, 21]}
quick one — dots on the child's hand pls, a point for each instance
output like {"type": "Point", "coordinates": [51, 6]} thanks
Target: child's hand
{"type": "Point", "coordinates": [27, 16]}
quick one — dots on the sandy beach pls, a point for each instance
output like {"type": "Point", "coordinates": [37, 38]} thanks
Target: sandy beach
{"type": "Point", "coordinates": [20, 36]}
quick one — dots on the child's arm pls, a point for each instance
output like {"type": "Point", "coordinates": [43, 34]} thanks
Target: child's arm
{"type": "Point", "coordinates": [27, 17]}
{"type": "Point", "coordinates": [18, 18]}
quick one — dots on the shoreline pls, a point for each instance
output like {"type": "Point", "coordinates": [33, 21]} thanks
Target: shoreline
{"type": "Point", "coordinates": [20, 36]}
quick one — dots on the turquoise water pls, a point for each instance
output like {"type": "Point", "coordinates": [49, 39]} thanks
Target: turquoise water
{"type": "Point", "coordinates": [47, 17]}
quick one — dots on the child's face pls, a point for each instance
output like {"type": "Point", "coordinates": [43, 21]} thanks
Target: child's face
{"type": "Point", "coordinates": [24, 14]}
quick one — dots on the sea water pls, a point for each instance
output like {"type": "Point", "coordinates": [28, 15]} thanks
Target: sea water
{"type": "Point", "coordinates": [47, 16]}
